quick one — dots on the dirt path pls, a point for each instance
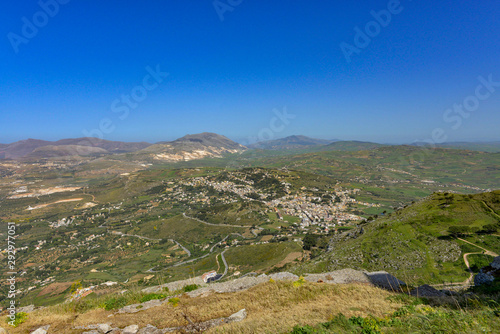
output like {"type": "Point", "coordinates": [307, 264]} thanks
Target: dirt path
{"type": "Point", "coordinates": [487, 252]}
{"type": "Point", "coordinates": [468, 281]}
{"type": "Point", "coordinates": [57, 202]}
{"type": "Point", "coordinates": [471, 277]}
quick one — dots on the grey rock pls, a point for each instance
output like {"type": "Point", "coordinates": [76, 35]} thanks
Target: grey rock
{"type": "Point", "coordinates": [488, 274]}
{"type": "Point", "coordinates": [426, 291]}
{"type": "Point", "coordinates": [26, 309]}
{"type": "Point", "coordinates": [496, 263]}
{"type": "Point", "coordinates": [132, 329]}
{"type": "Point", "coordinates": [3, 331]}
{"type": "Point", "coordinates": [149, 329]}
{"type": "Point", "coordinates": [342, 276]}
{"type": "Point", "coordinates": [238, 316]}
{"type": "Point", "coordinates": [41, 330]}
{"type": "Point", "coordinates": [385, 280]}
{"type": "Point", "coordinates": [104, 328]}
{"type": "Point", "coordinates": [284, 276]}
{"type": "Point", "coordinates": [483, 278]}
{"type": "Point", "coordinates": [140, 307]}
{"type": "Point", "coordinates": [92, 332]}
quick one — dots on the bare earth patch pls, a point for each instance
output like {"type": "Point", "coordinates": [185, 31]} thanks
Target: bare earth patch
{"type": "Point", "coordinates": [289, 258]}
{"type": "Point", "coordinates": [54, 289]}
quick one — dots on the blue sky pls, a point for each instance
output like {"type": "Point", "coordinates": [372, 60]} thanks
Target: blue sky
{"type": "Point", "coordinates": [227, 76]}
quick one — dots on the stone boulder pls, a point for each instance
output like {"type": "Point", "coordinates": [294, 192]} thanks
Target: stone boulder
{"type": "Point", "coordinates": [489, 273]}
{"type": "Point", "coordinates": [132, 329]}
{"type": "Point", "coordinates": [41, 330]}
{"type": "Point", "coordinates": [386, 281]}
{"type": "Point", "coordinates": [426, 291]}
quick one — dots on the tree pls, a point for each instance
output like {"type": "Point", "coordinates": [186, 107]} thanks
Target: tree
{"type": "Point", "coordinates": [309, 241]}
{"type": "Point", "coordinates": [489, 228]}
{"type": "Point", "coordinates": [459, 230]}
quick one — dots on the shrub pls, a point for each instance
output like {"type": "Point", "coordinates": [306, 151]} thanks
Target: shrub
{"type": "Point", "coordinates": [299, 282]}
{"type": "Point", "coordinates": [152, 296]}
{"type": "Point", "coordinates": [115, 303]}
{"type": "Point", "coordinates": [174, 301]}
{"type": "Point", "coordinates": [191, 287]}
{"type": "Point", "coordinates": [19, 319]}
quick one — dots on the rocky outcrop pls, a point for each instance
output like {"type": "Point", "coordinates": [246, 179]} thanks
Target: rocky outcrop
{"type": "Point", "coordinates": [489, 273]}
{"type": "Point", "coordinates": [41, 330]}
{"type": "Point", "coordinates": [386, 281]}
{"type": "Point", "coordinates": [192, 327]}
{"type": "Point", "coordinates": [426, 291]}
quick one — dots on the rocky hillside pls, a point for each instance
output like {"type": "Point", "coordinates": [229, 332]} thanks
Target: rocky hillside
{"type": "Point", "coordinates": [192, 147]}
{"type": "Point", "coordinates": [344, 301]}
{"type": "Point", "coordinates": [423, 243]}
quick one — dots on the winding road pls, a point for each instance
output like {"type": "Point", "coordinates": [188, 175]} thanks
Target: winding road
{"type": "Point", "coordinates": [183, 248]}
{"type": "Point", "coordinates": [468, 281]}
{"type": "Point", "coordinates": [225, 263]}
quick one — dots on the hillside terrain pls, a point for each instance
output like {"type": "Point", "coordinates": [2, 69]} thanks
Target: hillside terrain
{"type": "Point", "coordinates": [66, 147]}
{"type": "Point", "coordinates": [423, 243]}
{"type": "Point", "coordinates": [492, 147]}
{"type": "Point", "coordinates": [104, 223]}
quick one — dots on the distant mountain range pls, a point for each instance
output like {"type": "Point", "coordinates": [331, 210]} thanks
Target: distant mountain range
{"type": "Point", "coordinates": [195, 146]}
{"type": "Point", "coordinates": [189, 147]}
{"type": "Point", "coordinates": [290, 143]}
{"type": "Point", "coordinates": [192, 147]}
{"type": "Point", "coordinates": [352, 145]}
{"type": "Point", "coordinates": [66, 147]}
{"type": "Point", "coordinates": [492, 147]}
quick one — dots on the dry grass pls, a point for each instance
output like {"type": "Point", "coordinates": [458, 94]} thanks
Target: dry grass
{"type": "Point", "coordinates": [272, 307]}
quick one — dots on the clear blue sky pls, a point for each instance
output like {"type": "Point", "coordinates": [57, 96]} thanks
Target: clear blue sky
{"type": "Point", "coordinates": [227, 76]}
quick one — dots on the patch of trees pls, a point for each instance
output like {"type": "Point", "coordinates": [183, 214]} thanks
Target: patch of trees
{"type": "Point", "coordinates": [314, 240]}
{"type": "Point", "coordinates": [461, 230]}
{"type": "Point", "coordinates": [267, 231]}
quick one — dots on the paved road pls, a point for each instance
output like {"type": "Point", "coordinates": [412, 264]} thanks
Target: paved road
{"type": "Point", "coordinates": [184, 248]}
{"type": "Point", "coordinates": [225, 263]}
{"type": "Point", "coordinates": [212, 249]}
{"type": "Point", "coordinates": [191, 260]}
